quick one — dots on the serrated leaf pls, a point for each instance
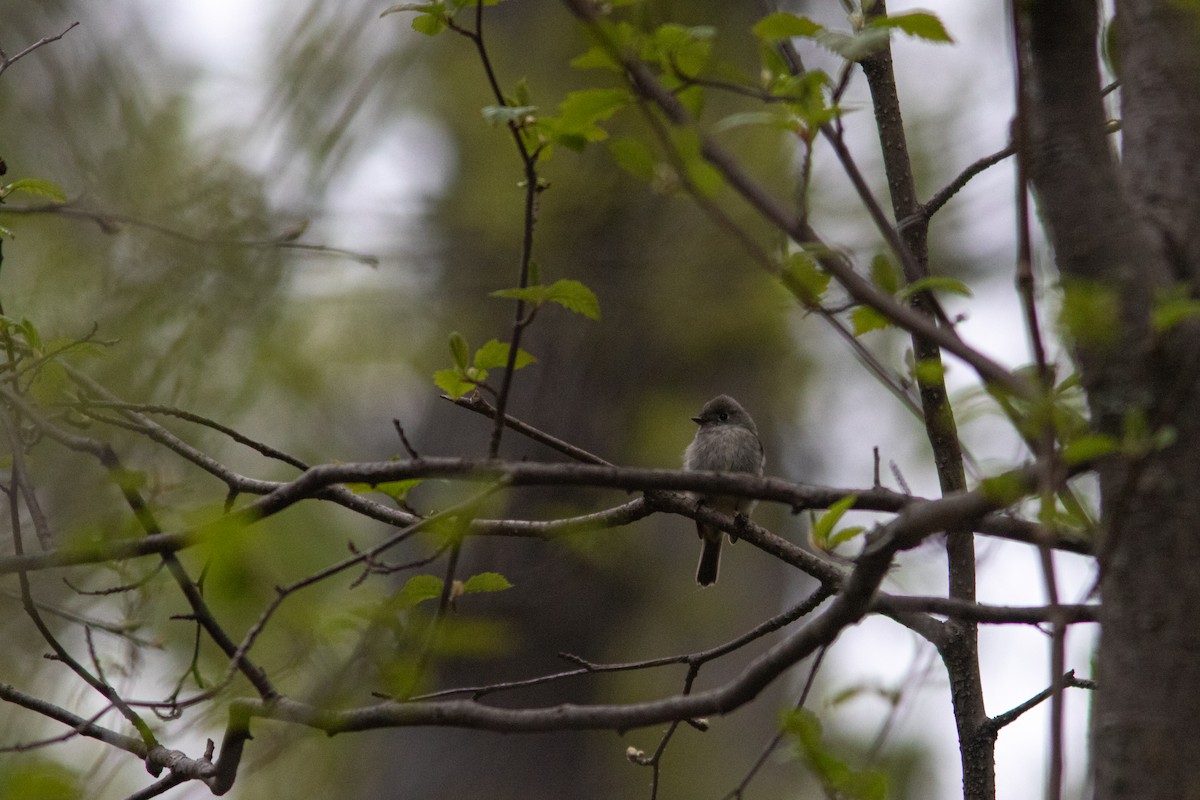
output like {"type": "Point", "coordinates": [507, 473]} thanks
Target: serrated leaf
{"type": "Point", "coordinates": [920, 24]}
{"type": "Point", "coordinates": [581, 111]}
{"type": "Point", "coordinates": [495, 354]}
{"type": "Point", "coordinates": [865, 319]}
{"type": "Point", "coordinates": [36, 186]}
{"type": "Point", "coordinates": [453, 382]}
{"type": "Point", "coordinates": [569, 294]}
{"type": "Point", "coordinates": [574, 296]}
{"type": "Point", "coordinates": [804, 279]}
{"type": "Point", "coordinates": [418, 589]}
{"type": "Point", "coordinates": [486, 582]}
{"type": "Point", "coordinates": [781, 25]}
{"type": "Point", "coordinates": [460, 350]}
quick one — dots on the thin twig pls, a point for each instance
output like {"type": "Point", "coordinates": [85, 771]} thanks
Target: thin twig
{"type": "Point", "coordinates": [6, 61]}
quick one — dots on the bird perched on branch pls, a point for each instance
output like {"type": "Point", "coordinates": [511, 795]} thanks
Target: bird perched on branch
{"type": "Point", "coordinates": [727, 441]}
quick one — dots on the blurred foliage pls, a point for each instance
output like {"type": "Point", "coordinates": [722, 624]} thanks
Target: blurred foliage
{"type": "Point", "coordinates": [171, 248]}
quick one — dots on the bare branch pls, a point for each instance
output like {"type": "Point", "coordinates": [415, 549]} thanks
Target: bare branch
{"type": "Point", "coordinates": [6, 61]}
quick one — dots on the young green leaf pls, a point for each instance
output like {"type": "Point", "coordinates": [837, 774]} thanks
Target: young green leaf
{"type": "Point", "coordinates": [574, 296]}
{"type": "Point", "coordinates": [823, 526]}
{"type": "Point", "coordinates": [418, 589]}
{"type": "Point", "coordinates": [460, 350]}
{"type": "Point", "coordinates": [36, 186]}
{"type": "Point", "coordinates": [838, 778]}
{"type": "Point", "coordinates": [919, 24]}
{"type": "Point", "coordinates": [935, 283]}
{"type": "Point", "coordinates": [453, 382]}
{"type": "Point", "coordinates": [569, 294]}
{"type": "Point", "coordinates": [1088, 448]}
{"type": "Point", "coordinates": [804, 279]}
{"type": "Point", "coordinates": [486, 582]}
{"type": "Point", "coordinates": [495, 354]}
{"type": "Point", "coordinates": [885, 274]}
{"type": "Point", "coordinates": [397, 490]}
{"type": "Point", "coordinates": [865, 319]}
{"type": "Point", "coordinates": [505, 115]}
{"type": "Point", "coordinates": [781, 25]}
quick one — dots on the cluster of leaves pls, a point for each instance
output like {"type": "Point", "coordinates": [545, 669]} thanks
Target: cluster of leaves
{"type": "Point", "coordinates": [471, 371]}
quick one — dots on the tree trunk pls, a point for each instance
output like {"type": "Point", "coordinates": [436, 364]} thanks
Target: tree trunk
{"type": "Point", "coordinates": [1130, 234]}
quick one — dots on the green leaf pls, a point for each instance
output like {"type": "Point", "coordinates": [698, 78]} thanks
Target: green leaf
{"type": "Point", "coordinates": [885, 274]}
{"type": "Point", "coordinates": [1090, 312]}
{"type": "Point", "coordinates": [422, 8]}
{"type": "Point", "coordinates": [495, 354]}
{"type": "Point", "coordinates": [509, 115]}
{"type": "Point", "coordinates": [704, 176]}
{"type": "Point", "coordinates": [581, 111]}
{"type": "Point", "coordinates": [1004, 489]}
{"type": "Point", "coordinates": [781, 25]}
{"type": "Point", "coordinates": [1173, 308]}
{"type": "Point", "coordinates": [453, 382]}
{"type": "Point", "coordinates": [397, 490]}
{"type": "Point", "coordinates": [459, 349]}
{"type": "Point", "coordinates": [37, 186]}
{"type": "Point", "coordinates": [596, 57]}
{"type": "Point", "coordinates": [571, 295]}
{"type": "Point", "coordinates": [430, 24]}
{"type": "Point", "coordinates": [929, 370]}
{"type": "Point", "coordinates": [804, 279]}
{"type": "Point", "coordinates": [823, 526]}
{"type": "Point", "coordinates": [486, 582]}
{"type": "Point", "coordinates": [574, 296]}
{"type": "Point", "coordinates": [844, 535]}
{"type": "Point", "coordinates": [854, 47]}
{"type": "Point", "coordinates": [767, 119]}
{"type": "Point", "coordinates": [681, 49]}
{"type": "Point", "coordinates": [634, 156]}
{"type": "Point", "coordinates": [935, 283]}
{"type": "Point", "coordinates": [838, 779]}
{"type": "Point", "coordinates": [418, 589]}
{"type": "Point", "coordinates": [1088, 448]}
{"type": "Point", "coordinates": [920, 24]}
{"type": "Point", "coordinates": [865, 319]}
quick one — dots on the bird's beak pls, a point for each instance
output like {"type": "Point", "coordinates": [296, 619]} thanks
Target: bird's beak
{"type": "Point", "coordinates": [697, 420]}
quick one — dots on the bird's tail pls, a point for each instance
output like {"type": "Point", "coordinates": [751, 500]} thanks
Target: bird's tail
{"type": "Point", "coordinates": [710, 561]}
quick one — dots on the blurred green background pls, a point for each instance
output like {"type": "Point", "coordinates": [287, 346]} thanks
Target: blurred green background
{"type": "Point", "coordinates": [199, 143]}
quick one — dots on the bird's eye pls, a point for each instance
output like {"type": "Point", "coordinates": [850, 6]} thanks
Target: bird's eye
{"type": "Point", "coordinates": [723, 416]}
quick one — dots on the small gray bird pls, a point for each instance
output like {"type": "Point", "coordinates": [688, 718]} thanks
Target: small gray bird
{"type": "Point", "coordinates": [726, 442]}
